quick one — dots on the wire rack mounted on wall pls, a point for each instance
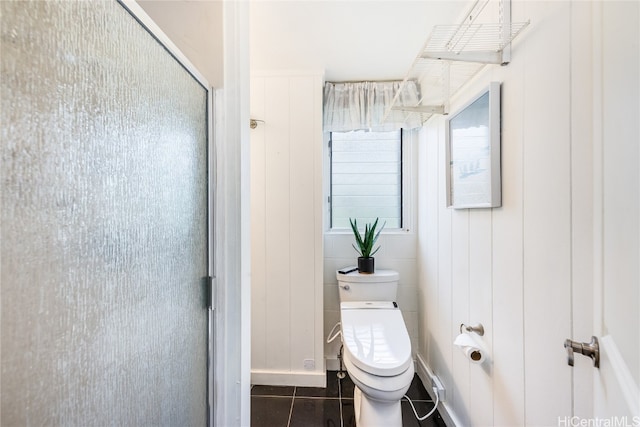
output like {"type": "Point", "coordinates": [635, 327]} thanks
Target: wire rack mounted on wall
{"type": "Point", "coordinates": [453, 54]}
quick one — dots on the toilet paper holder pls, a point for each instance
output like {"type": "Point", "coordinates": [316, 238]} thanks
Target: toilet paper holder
{"type": "Point", "coordinates": [478, 329]}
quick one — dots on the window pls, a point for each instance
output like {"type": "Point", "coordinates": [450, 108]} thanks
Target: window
{"type": "Point", "coordinates": [366, 178]}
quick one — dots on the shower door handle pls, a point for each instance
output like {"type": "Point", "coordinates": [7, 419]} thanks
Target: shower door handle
{"type": "Point", "coordinates": [590, 349]}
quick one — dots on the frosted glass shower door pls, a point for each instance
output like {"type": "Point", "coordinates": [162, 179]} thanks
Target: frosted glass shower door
{"type": "Point", "coordinates": [104, 232]}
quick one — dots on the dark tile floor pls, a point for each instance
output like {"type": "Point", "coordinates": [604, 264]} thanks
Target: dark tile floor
{"type": "Point", "coordinates": [274, 406]}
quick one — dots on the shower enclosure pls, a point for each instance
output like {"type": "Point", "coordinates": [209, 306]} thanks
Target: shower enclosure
{"type": "Point", "coordinates": [105, 220]}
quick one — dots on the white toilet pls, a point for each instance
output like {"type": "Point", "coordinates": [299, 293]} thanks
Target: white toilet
{"type": "Point", "coordinates": [377, 349]}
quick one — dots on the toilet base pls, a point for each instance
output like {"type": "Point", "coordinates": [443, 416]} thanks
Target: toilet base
{"type": "Point", "coordinates": [375, 413]}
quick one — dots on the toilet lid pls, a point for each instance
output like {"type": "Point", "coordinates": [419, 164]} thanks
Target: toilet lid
{"type": "Point", "coordinates": [376, 338]}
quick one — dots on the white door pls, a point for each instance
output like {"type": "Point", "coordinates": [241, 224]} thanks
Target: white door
{"type": "Point", "coordinates": [616, 211]}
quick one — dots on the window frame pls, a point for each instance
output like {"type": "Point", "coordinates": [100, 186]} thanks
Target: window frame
{"type": "Point", "coordinates": [407, 172]}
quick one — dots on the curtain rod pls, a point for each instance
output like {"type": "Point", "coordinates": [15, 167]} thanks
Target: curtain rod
{"type": "Point", "coordinates": [366, 81]}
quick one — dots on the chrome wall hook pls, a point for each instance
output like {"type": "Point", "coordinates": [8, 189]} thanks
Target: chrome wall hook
{"type": "Point", "coordinates": [478, 329]}
{"type": "Point", "coordinates": [253, 123]}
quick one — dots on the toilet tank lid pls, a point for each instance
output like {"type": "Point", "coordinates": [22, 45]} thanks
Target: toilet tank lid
{"type": "Point", "coordinates": [378, 276]}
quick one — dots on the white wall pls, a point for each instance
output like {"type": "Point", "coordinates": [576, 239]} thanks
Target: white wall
{"type": "Point", "coordinates": [518, 269]}
{"type": "Point", "coordinates": [196, 27]}
{"type": "Point", "coordinates": [231, 235]}
{"type": "Point", "coordinates": [292, 312]}
{"type": "Point", "coordinates": [286, 229]}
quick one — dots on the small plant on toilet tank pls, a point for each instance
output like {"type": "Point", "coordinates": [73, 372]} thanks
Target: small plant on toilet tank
{"type": "Point", "coordinates": [365, 243]}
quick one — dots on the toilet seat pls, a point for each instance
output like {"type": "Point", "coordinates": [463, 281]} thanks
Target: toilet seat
{"type": "Point", "coordinates": [380, 388]}
{"type": "Point", "coordinates": [375, 338]}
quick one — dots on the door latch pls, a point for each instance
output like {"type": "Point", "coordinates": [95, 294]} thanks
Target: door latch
{"type": "Point", "coordinates": [590, 349]}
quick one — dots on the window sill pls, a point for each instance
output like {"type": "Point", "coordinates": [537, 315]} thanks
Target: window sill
{"type": "Point", "coordinates": [392, 232]}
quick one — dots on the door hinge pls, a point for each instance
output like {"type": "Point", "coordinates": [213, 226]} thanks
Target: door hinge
{"type": "Point", "coordinates": [210, 292]}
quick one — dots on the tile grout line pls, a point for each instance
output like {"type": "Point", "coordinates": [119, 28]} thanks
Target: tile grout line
{"type": "Point", "coordinates": [293, 398]}
{"type": "Point", "coordinates": [340, 401]}
{"type": "Point", "coordinates": [294, 395]}
{"type": "Point", "coordinates": [329, 397]}
{"type": "Point", "coordinates": [274, 395]}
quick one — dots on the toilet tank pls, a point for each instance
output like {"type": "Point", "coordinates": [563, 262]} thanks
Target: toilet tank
{"type": "Point", "coordinates": [379, 286]}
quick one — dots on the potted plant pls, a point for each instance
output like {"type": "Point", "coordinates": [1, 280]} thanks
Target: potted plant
{"type": "Point", "coordinates": [366, 262]}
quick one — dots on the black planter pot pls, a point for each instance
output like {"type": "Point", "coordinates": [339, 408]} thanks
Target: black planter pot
{"type": "Point", "coordinates": [366, 265]}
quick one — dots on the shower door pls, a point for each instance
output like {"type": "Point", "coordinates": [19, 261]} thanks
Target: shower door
{"type": "Point", "coordinates": [104, 210]}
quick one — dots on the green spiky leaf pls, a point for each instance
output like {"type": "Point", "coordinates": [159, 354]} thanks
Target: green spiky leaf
{"type": "Point", "coordinates": [366, 242]}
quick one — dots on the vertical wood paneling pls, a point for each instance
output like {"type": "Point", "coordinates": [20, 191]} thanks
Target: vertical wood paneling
{"type": "Point", "coordinates": [317, 151]}
{"type": "Point", "coordinates": [258, 227]}
{"type": "Point", "coordinates": [582, 200]}
{"type": "Point", "coordinates": [287, 230]}
{"type": "Point", "coordinates": [421, 246]}
{"type": "Point", "coordinates": [301, 224]}
{"type": "Point", "coordinates": [527, 262]}
{"type": "Point", "coordinates": [460, 281]}
{"type": "Point", "coordinates": [431, 262]}
{"type": "Point", "coordinates": [278, 248]}
{"type": "Point", "coordinates": [442, 355]}
{"type": "Point", "coordinates": [480, 311]}
{"type": "Point", "coordinates": [546, 185]}
{"type": "Point", "coordinates": [508, 326]}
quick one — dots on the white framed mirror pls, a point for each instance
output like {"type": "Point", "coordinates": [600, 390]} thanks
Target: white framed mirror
{"type": "Point", "coordinates": [472, 137]}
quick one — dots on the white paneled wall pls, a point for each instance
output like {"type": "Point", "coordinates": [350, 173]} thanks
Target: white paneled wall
{"type": "Point", "coordinates": [286, 230]}
{"type": "Point", "coordinates": [515, 269]}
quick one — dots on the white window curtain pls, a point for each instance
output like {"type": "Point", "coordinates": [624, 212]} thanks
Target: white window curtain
{"type": "Point", "coordinates": [362, 106]}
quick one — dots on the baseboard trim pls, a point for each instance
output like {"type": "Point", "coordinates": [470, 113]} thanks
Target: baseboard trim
{"type": "Point", "coordinates": [288, 378]}
{"type": "Point", "coordinates": [444, 408]}
{"type": "Point", "coordinates": [333, 364]}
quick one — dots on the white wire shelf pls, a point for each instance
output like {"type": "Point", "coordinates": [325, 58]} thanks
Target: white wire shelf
{"type": "Point", "coordinates": [482, 43]}
{"type": "Point", "coordinates": [437, 81]}
{"type": "Point", "coordinates": [452, 55]}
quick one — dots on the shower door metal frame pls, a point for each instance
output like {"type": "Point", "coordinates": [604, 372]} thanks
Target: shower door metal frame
{"type": "Point", "coordinates": [156, 32]}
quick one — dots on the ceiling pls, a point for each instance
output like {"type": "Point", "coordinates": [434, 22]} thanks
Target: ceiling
{"type": "Point", "coordinates": [351, 40]}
